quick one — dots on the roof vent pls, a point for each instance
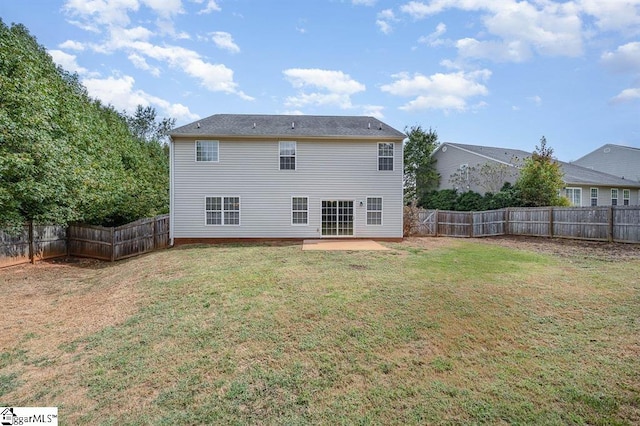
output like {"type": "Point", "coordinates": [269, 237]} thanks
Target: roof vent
{"type": "Point", "coordinates": [369, 125]}
{"type": "Point", "coordinates": [198, 125]}
{"type": "Point", "coordinates": [293, 124]}
{"type": "Point", "coordinates": [254, 125]}
{"type": "Point", "coordinates": [379, 126]}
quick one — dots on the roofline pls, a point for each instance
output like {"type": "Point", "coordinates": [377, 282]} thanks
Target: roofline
{"type": "Point", "coordinates": [488, 157]}
{"type": "Point", "coordinates": [285, 137]}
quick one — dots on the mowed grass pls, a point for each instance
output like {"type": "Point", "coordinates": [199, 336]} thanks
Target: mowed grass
{"type": "Point", "coordinates": [459, 333]}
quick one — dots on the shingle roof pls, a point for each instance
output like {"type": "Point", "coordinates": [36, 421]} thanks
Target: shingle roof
{"type": "Point", "coordinates": [256, 125]}
{"type": "Point", "coordinates": [573, 174]}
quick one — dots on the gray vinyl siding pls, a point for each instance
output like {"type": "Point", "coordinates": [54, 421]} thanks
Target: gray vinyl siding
{"type": "Point", "coordinates": [604, 195]}
{"type": "Point", "coordinates": [325, 170]}
{"type": "Point", "coordinates": [448, 163]}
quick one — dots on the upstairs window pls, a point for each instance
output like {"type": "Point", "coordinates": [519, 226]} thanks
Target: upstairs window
{"type": "Point", "coordinates": [222, 210]}
{"type": "Point", "coordinates": [385, 156]}
{"type": "Point", "coordinates": [207, 151]}
{"type": "Point", "coordinates": [626, 197]}
{"type": "Point", "coordinates": [374, 210]}
{"type": "Point", "coordinates": [287, 155]}
{"type": "Point", "coordinates": [614, 197]}
{"type": "Point", "coordinates": [594, 197]}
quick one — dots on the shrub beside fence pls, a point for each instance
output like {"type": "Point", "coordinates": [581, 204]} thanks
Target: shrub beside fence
{"type": "Point", "coordinates": [37, 242]}
{"type": "Point", "coordinates": [613, 223]}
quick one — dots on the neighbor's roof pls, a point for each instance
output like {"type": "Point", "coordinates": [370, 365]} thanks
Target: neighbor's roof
{"type": "Point", "coordinates": [258, 125]}
{"type": "Point", "coordinates": [573, 174]}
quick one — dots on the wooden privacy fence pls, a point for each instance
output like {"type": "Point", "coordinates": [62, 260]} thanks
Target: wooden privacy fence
{"type": "Point", "coordinates": [607, 223]}
{"type": "Point", "coordinates": [37, 242]}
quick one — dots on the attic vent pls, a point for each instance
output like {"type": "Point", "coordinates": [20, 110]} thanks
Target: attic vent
{"type": "Point", "coordinates": [607, 150]}
{"type": "Point", "coordinates": [293, 124]}
{"type": "Point", "coordinates": [444, 149]}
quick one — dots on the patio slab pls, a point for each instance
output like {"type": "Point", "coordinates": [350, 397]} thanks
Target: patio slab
{"type": "Point", "coordinates": [342, 245]}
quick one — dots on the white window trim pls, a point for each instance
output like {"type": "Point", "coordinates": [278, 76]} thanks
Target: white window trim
{"type": "Point", "coordinates": [195, 150]}
{"type": "Point", "coordinates": [292, 211]}
{"type": "Point", "coordinates": [366, 208]}
{"type": "Point", "coordinates": [617, 198]}
{"type": "Point", "coordinates": [222, 197]}
{"type": "Point", "coordinates": [295, 156]}
{"type": "Point", "coordinates": [591, 196]}
{"type": "Point", "coordinates": [393, 157]}
{"type": "Point", "coordinates": [628, 197]}
{"type": "Point", "coordinates": [573, 188]}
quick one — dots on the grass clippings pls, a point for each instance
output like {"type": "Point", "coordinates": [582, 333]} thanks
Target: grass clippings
{"type": "Point", "coordinates": [433, 331]}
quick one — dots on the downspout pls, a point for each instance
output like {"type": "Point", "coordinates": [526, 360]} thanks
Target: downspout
{"type": "Point", "coordinates": [171, 191]}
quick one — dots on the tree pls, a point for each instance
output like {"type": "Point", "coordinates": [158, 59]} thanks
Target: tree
{"type": "Point", "coordinates": [144, 126]}
{"type": "Point", "coordinates": [420, 175]}
{"type": "Point", "coordinates": [541, 179]}
{"type": "Point", "coordinates": [64, 156]}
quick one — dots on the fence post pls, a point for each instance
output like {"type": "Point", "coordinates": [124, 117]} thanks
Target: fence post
{"type": "Point", "coordinates": [435, 224]}
{"type": "Point", "coordinates": [610, 225]}
{"type": "Point", "coordinates": [113, 244]}
{"type": "Point", "coordinates": [551, 222]}
{"type": "Point", "coordinates": [470, 214]}
{"type": "Point", "coordinates": [32, 254]}
{"type": "Point", "coordinates": [506, 221]}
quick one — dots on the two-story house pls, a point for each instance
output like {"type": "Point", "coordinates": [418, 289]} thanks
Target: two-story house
{"type": "Point", "coordinates": [459, 166]}
{"type": "Point", "coordinates": [237, 176]}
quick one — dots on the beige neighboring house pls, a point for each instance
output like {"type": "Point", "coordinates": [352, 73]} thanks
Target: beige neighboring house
{"type": "Point", "coordinates": [617, 160]}
{"type": "Point", "coordinates": [583, 186]}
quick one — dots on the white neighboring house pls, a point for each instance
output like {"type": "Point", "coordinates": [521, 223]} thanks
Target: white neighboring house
{"type": "Point", "coordinates": [237, 176]}
{"type": "Point", "coordinates": [583, 186]}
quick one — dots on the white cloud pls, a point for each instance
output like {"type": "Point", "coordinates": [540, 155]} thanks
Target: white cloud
{"type": "Point", "coordinates": [332, 87]}
{"type": "Point", "coordinates": [612, 15]}
{"type": "Point", "coordinates": [140, 63]}
{"type": "Point", "coordinates": [499, 51]}
{"type": "Point", "coordinates": [225, 41]}
{"type": "Point", "coordinates": [67, 61]}
{"type": "Point", "coordinates": [212, 6]}
{"type": "Point", "coordinates": [364, 2]}
{"type": "Point", "coordinates": [537, 100]}
{"type": "Point", "coordinates": [625, 59]}
{"type": "Point", "coordinates": [164, 8]}
{"type": "Point", "coordinates": [385, 19]}
{"type": "Point", "coordinates": [373, 111]}
{"type": "Point", "coordinates": [439, 91]}
{"type": "Point", "coordinates": [519, 27]}
{"type": "Point", "coordinates": [627, 95]}
{"type": "Point", "coordinates": [72, 45]}
{"type": "Point", "coordinates": [102, 12]}
{"type": "Point", "coordinates": [433, 39]}
{"type": "Point", "coordinates": [120, 93]}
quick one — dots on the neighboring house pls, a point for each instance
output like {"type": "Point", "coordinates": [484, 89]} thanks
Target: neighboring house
{"type": "Point", "coordinates": [286, 177]}
{"type": "Point", "coordinates": [617, 160]}
{"type": "Point", "coordinates": [584, 187]}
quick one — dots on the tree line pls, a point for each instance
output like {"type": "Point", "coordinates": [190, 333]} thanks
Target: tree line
{"type": "Point", "coordinates": [66, 157]}
{"type": "Point", "coordinates": [537, 181]}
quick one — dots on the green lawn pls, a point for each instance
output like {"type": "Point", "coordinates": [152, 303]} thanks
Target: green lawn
{"type": "Point", "coordinates": [458, 332]}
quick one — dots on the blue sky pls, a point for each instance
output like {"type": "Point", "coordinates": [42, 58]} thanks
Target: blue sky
{"type": "Point", "coordinates": [487, 72]}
